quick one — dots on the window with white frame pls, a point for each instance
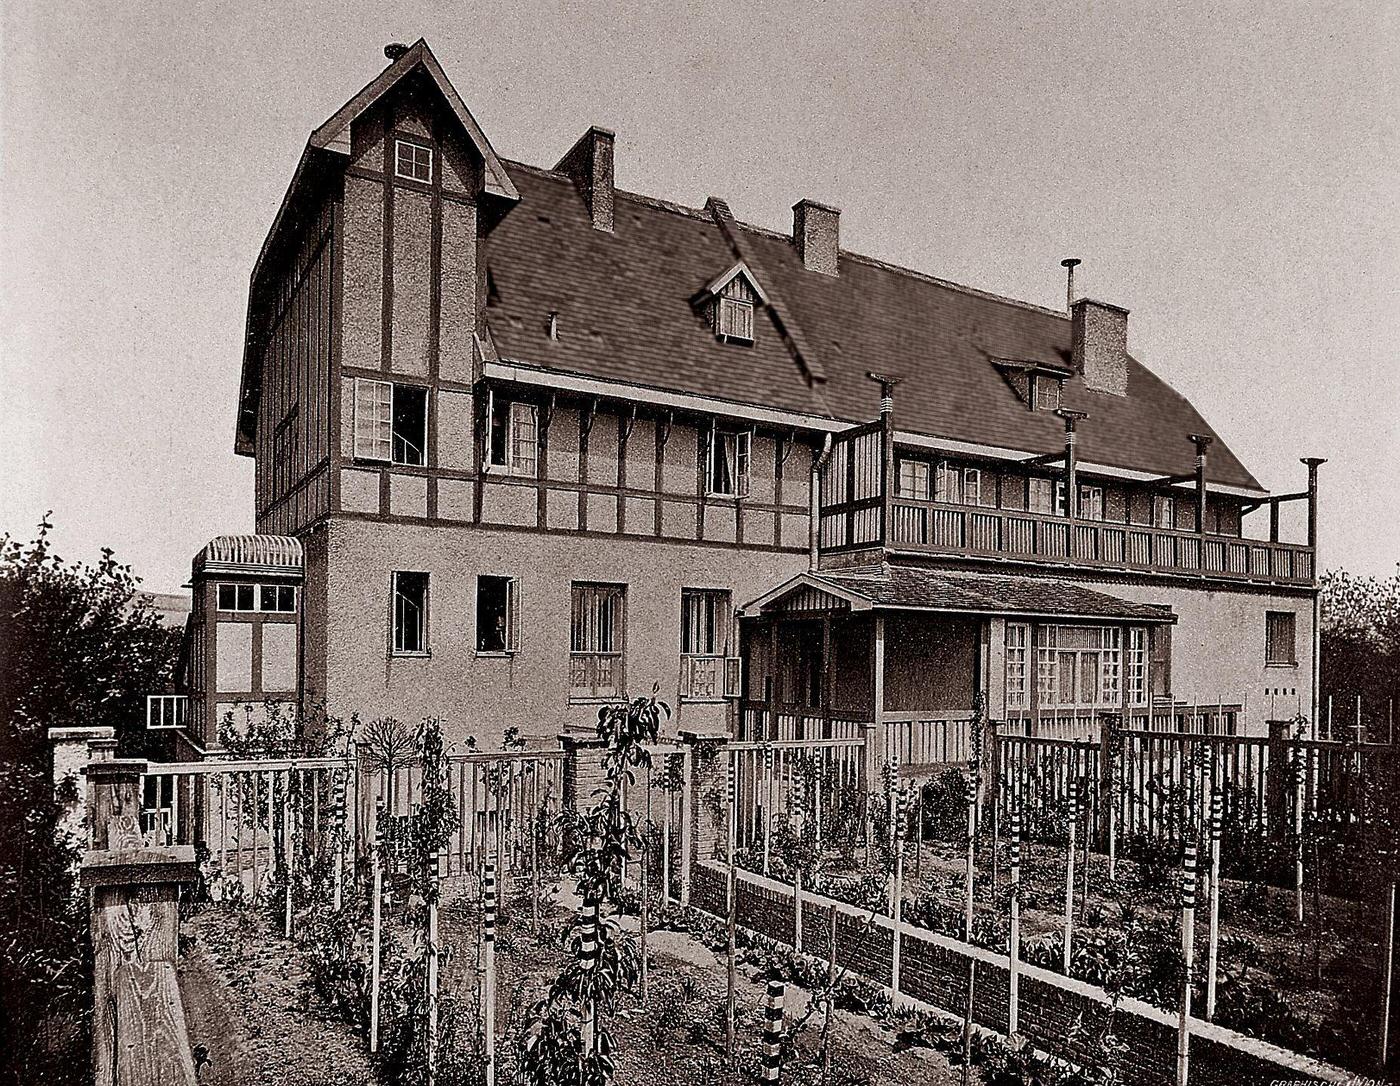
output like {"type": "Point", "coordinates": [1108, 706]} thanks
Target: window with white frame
{"type": "Point", "coordinates": [497, 614]}
{"type": "Point", "coordinates": [514, 437]}
{"type": "Point", "coordinates": [948, 483]}
{"type": "Point", "coordinates": [410, 613]}
{"type": "Point", "coordinates": [911, 480]}
{"type": "Point", "coordinates": [391, 422]}
{"type": "Point", "coordinates": [596, 640]}
{"type": "Point", "coordinates": [278, 598]}
{"type": "Point", "coordinates": [728, 469]}
{"type": "Point", "coordinates": [706, 621]}
{"type": "Point", "coordinates": [1079, 666]}
{"type": "Point", "coordinates": [1163, 511]}
{"type": "Point", "coordinates": [1137, 666]}
{"type": "Point", "coordinates": [1018, 636]}
{"type": "Point", "coordinates": [1045, 496]}
{"type": "Point", "coordinates": [413, 161]}
{"type": "Point", "coordinates": [1090, 502]}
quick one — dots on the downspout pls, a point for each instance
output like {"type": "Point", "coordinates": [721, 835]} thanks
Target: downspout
{"type": "Point", "coordinates": [814, 517]}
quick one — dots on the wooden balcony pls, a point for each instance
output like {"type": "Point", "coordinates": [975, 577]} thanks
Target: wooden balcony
{"type": "Point", "coordinates": [968, 531]}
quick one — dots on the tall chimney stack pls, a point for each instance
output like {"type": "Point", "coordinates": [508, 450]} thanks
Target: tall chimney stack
{"type": "Point", "coordinates": [816, 231]}
{"type": "Point", "coordinates": [589, 165]}
{"type": "Point", "coordinates": [1069, 264]}
{"type": "Point", "coordinates": [1099, 345]}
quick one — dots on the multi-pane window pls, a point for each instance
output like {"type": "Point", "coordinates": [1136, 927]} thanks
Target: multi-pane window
{"type": "Point", "coordinates": [497, 614]}
{"type": "Point", "coordinates": [728, 470]}
{"type": "Point", "coordinates": [1044, 393]}
{"type": "Point", "coordinates": [263, 597]}
{"type": "Point", "coordinates": [596, 640]}
{"type": "Point", "coordinates": [1137, 666]}
{"type": "Point", "coordinates": [410, 613]}
{"type": "Point", "coordinates": [706, 618]}
{"type": "Point", "coordinates": [1090, 502]}
{"type": "Point", "coordinates": [1163, 511]}
{"type": "Point", "coordinates": [1045, 496]}
{"type": "Point", "coordinates": [912, 479]}
{"type": "Point", "coordinates": [413, 161]}
{"type": "Point", "coordinates": [1280, 638]}
{"type": "Point", "coordinates": [1017, 665]}
{"type": "Point", "coordinates": [515, 437]}
{"type": "Point", "coordinates": [1079, 666]}
{"type": "Point", "coordinates": [735, 319]}
{"type": "Point", "coordinates": [391, 422]}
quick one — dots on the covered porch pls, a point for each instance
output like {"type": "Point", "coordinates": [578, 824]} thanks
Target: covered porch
{"type": "Point", "coordinates": [898, 655]}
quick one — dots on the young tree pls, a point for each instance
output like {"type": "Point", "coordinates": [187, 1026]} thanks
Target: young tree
{"type": "Point", "coordinates": [78, 646]}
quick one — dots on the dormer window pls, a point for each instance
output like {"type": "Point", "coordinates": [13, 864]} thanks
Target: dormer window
{"type": "Point", "coordinates": [1044, 392]}
{"type": "Point", "coordinates": [413, 162]}
{"type": "Point", "coordinates": [729, 302]}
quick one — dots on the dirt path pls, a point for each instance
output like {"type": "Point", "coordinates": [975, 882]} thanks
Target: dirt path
{"type": "Point", "coordinates": [249, 1009]}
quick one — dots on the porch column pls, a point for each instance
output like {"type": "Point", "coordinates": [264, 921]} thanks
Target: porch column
{"type": "Point", "coordinates": [1071, 466]}
{"type": "Point", "coordinates": [1202, 443]}
{"type": "Point", "coordinates": [1313, 463]}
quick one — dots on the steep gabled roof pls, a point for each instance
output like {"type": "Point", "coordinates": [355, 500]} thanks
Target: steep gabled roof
{"type": "Point", "coordinates": [623, 305]}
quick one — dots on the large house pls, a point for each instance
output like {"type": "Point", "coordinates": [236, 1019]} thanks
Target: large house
{"type": "Point", "coordinates": [526, 442]}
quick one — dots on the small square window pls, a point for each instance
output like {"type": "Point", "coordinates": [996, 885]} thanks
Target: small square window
{"type": "Point", "coordinates": [413, 161]}
{"type": "Point", "coordinates": [735, 319]}
{"type": "Point", "coordinates": [277, 597]}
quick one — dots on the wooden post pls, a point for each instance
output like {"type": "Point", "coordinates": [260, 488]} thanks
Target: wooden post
{"type": "Point", "coordinates": [338, 823]}
{"type": "Point", "coordinates": [139, 1033]}
{"type": "Point", "coordinates": [377, 896]}
{"type": "Point", "coordinates": [666, 840]}
{"type": "Point", "coordinates": [488, 937]}
{"type": "Point", "coordinates": [773, 1030]}
{"type": "Point", "coordinates": [588, 960]}
{"type": "Point", "coordinates": [797, 908]}
{"type": "Point", "coordinates": [1188, 954]}
{"type": "Point", "coordinates": [1386, 974]}
{"type": "Point", "coordinates": [287, 850]}
{"type": "Point", "coordinates": [435, 879]}
{"type": "Point", "coordinates": [535, 851]}
{"type": "Point", "coordinates": [1013, 950]}
{"type": "Point", "coordinates": [972, 790]}
{"type": "Point", "coordinates": [901, 815]}
{"type": "Point", "coordinates": [1299, 759]}
{"type": "Point", "coordinates": [644, 911]}
{"type": "Point", "coordinates": [732, 909]}
{"type": "Point", "coordinates": [687, 821]}
{"type": "Point", "coordinates": [1217, 815]}
{"type": "Point", "coordinates": [1073, 800]}
{"type": "Point", "coordinates": [767, 792]}
{"type": "Point", "coordinates": [1109, 737]}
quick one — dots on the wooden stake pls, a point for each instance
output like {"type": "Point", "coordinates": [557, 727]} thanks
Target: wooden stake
{"type": "Point", "coordinates": [901, 813]}
{"type": "Point", "coordinates": [972, 799]}
{"type": "Point", "coordinates": [588, 959]}
{"type": "Point", "coordinates": [339, 830]}
{"type": "Point", "coordinates": [1217, 814]}
{"type": "Point", "coordinates": [644, 916]}
{"type": "Point", "coordinates": [1188, 954]}
{"type": "Point", "coordinates": [378, 893]}
{"type": "Point", "coordinates": [773, 1030]}
{"type": "Point", "coordinates": [287, 853]}
{"type": "Point", "coordinates": [1386, 977]}
{"type": "Point", "coordinates": [1013, 950]}
{"type": "Point", "coordinates": [435, 877]}
{"type": "Point", "coordinates": [732, 920]}
{"type": "Point", "coordinates": [1073, 800]}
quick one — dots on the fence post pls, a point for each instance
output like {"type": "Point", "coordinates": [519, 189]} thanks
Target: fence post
{"type": "Point", "coordinates": [731, 904]}
{"type": "Point", "coordinates": [972, 789]}
{"type": "Point", "coordinates": [138, 1028]}
{"type": "Point", "coordinates": [338, 822]}
{"type": "Point", "coordinates": [114, 793]}
{"type": "Point", "coordinates": [488, 935]}
{"type": "Point", "coordinates": [1188, 954]}
{"type": "Point", "coordinates": [1276, 778]}
{"type": "Point", "coordinates": [901, 817]}
{"type": "Point", "coordinates": [1013, 968]}
{"type": "Point", "coordinates": [434, 891]}
{"type": "Point", "coordinates": [1072, 788]}
{"type": "Point", "coordinates": [1110, 753]}
{"type": "Point", "coordinates": [773, 1030]}
{"type": "Point", "coordinates": [1217, 814]}
{"type": "Point", "coordinates": [377, 892]}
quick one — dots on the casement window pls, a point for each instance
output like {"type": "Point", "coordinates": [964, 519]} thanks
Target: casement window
{"type": "Point", "coordinates": [410, 613]}
{"type": "Point", "coordinates": [1137, 666]}
{"type": "Point", "coordinates": [413, 161]}
{"type": "Point", "coordinates": [1090, 502]}
{"type": "Point", "coordinates": [497, 614]}
{"type": "Point", "coordinates": [708, 668]}
{"type": "Point", "coordinates": [1280, 639]}
{"type": "Point", "coordinates": [1079, 666]}
{"type": "Point", "coordinates": [515, 437]}
{"type": "Point", "coordinates": [596, 640]}
{"type": "Point", "coordinates": [1045, 496]}
{"type": "Point", "coordinates": [391, 422]}
{"type": "Point", "coordinates": [911, 480]}
{"type": "Point", "coordinates": [728, 468]}
{"type": "Point", "coordinates": [263, 597]}
{"type": "Point", "coordinates": [1044, 393]}
{"type": "Point", "coordinates": [734, 319]}
{"type": "Point", "coordinates": [1018, 636]}
{"type": "Point", "coordinates": [1163, 511]}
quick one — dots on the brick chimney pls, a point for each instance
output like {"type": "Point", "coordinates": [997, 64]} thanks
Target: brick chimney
{"type": "Point", "coordinates": [589, 164]}
{"type": "Point", "coordinates": [816, 231]}
{"type": "Point", "coordinates": [1100, 345]}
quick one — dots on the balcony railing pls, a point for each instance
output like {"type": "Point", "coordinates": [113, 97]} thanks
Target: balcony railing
{"type": "Point", "coordinates": [950, 529]}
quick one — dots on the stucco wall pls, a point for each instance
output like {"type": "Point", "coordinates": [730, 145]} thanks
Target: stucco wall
{"type": "Point", "coordinates": [482, 695]}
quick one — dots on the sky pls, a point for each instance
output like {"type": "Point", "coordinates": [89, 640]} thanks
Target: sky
{"type": "Point", "coordinates": [1230, 172]}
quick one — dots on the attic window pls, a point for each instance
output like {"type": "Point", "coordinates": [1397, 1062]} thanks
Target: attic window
{"type": "Point", "coordinates": [1044, 392]}
{"type": "Point", "coordinates": [733, 309]}
{"type": "Point", "coordinates": [413, 161]}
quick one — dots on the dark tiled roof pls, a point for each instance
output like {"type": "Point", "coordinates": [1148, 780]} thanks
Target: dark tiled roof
{"type": "Point", "coordinates": [625, 311]}
{"type": "Point", "coordinates": [911, 586]}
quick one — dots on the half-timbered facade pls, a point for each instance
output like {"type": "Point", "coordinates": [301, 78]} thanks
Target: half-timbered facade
{"type": "Point", "coordinates": [543, 441]}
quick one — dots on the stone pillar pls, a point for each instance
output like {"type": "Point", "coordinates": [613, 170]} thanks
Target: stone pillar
{"type": "Point", "coordinates": [71, 752]}
{"type": "Point", "coordinates": [709, 761]}
{"type": "Point", "coordinates": [114, 802]}
{"type": "Point", "coordinates": [138, 1023]}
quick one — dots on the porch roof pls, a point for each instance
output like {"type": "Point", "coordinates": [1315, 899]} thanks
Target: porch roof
{"type": "Point", "coordinates": [912, 588]}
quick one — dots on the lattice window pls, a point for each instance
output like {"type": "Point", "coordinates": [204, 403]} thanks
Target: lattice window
{"type": "Point", "coordinates": [1137, 666]}
{"type": "Point", "coordinates": [413, 161]}
{"type": "Point", "coordinates": [1017, 666]}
